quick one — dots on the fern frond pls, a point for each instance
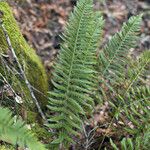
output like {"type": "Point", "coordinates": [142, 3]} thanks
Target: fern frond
{"type": "Point", "coordinates": [140, 142]}
{"type": "Point", "coordinates": [136, 108]}
{"type": "Point", "coordinates": [138, 71]}
{"type": "Point", "coordinates": [74, 77]}
{"type": "Point", "coordinates": [113, 59]}
{"type": "Point", "coordinates": [16, 133]}
{"type": "Point", "coordinates": [132, 103]}
{"type": "Point", "coordinates": [133, 77]}
{"type": "Point", "coordinates": [125, 144]}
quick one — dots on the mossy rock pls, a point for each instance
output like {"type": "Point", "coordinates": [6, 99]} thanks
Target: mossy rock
{"type": "Point", "coordinates": [31, 63]}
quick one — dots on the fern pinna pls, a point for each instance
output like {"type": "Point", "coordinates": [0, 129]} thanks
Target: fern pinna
{"type": "Point", "coordinates": [75, 76]}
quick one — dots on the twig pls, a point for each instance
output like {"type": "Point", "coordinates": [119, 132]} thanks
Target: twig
{"type": "Point", "coordinates": [35, 89]}
{"type": "Point", "coordinates": [4, 79]}
{"type": "Point", "coordinates": [88, 137]}
{"type": "Point", "coordinates": [10, 87]}
{"type": "Point", "coordinates": [22, 71]}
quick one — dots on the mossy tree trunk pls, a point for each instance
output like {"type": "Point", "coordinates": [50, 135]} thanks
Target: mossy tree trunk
{"type": "Point", "coordinates": [31, 63]}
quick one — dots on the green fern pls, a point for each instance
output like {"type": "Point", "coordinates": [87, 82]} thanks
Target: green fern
{"type": "Point", "coordinates": [14, 132]}
{"type": "Point", "coordinates": [134, 74]}
{"type": "Point", "coordinates": [134, 113]}
{"type": "Point", "coordinates": [126, 144]}
{"type": "Point", "coordinates": [75, 75]}
{"type": "Point", "coordinates": [132, 105]}
{"type": "Point", "coordinates": [141, 142]}
{"type": "Point", "coordinates": [122, 87]}
{"type": "Point", "coordinates": [113, 59]}
{"type": "Point", "coordinates": [137, 71]}
{"type": "Point", "coordinates": [135, 108]}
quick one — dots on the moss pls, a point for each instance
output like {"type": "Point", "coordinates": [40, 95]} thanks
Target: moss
{"type": "Point", "coordinates": [32, 117]}
{"type": "Point", "coordinates": [38, 129]}
{"type": "Point", "coordinates": [41, 133]}
{"type": "Point", "coordinates": [33, 67]}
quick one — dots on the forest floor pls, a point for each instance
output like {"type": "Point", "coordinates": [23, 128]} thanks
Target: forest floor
{"type": "Point", "coordinates": [43, 21]}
